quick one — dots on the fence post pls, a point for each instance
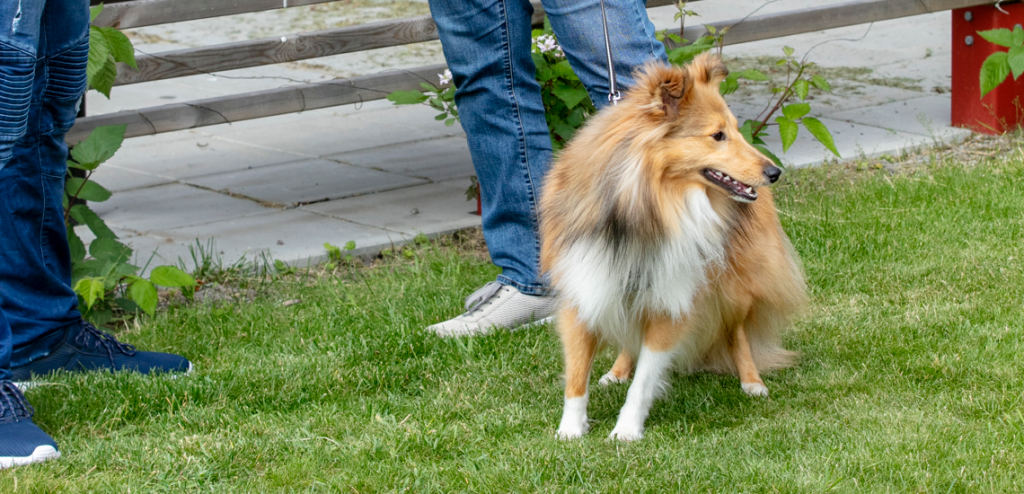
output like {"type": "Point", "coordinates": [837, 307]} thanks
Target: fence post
{"type": "Point", "coordinates": [1002, 109]}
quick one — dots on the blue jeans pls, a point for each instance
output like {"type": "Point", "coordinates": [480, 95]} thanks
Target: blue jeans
{"type": "Point", "coordinates": [487, 45]}
{"type": "Point", "coordinates": [44, 46]}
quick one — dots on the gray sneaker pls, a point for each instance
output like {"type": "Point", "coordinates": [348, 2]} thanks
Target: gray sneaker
{"type": "Point", "coordinates": [497, 306]}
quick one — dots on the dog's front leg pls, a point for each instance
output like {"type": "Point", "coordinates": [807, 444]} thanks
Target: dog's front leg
{"type": "Point", "coordinates": [656, 357]}
{"type": "Point", "coordinates": [579, 345]}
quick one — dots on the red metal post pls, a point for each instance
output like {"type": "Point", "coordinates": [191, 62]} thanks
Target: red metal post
{"type": "Point", "coordinates": [1001, 109]}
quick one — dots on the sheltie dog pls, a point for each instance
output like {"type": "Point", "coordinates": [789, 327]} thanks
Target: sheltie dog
{"type": "Point", "coordinates": [659, 238]}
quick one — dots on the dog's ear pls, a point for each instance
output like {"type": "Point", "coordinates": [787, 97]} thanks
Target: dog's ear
{"type": "Point", "coordinates": [671, 91]}
{"type": "Point", "coordinates": [708, 68]}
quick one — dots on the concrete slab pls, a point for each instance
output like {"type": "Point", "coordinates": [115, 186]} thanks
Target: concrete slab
{"type": "Point", "coordinates": [195, 155]}
{"type": "Point", "coordinates": [116, 179]}
{"type": "Point", "coordinates": [294, 236]}
{"type": "Point", "coordinates": [434, 159]}
{"type": "Point", "coordinates": [318, 137]}
{"type": "Point", "coordinates": [304, 181]}
{"type": "Point", "coordinates": [171, 206]}
{"type": "Point", "coordinates": [852, 140]}
{"type": "Point", "coordinates": [430, 208]}
{"type": "Point", "coordinates": [928, 116]}
{"type": "Point", "coordinates": [419, 116]}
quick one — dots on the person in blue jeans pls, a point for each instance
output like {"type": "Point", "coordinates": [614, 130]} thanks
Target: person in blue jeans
{"type": "Point", "coordinates": [487, 44]}
{"type": "Point", "coordinates": [44, 47]}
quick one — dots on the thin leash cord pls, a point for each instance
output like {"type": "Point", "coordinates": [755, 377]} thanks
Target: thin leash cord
{"type": "Point", "coordinates": [613, 95]}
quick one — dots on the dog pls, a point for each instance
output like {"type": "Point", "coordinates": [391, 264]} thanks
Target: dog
{"type": "Point", "coordinates": [658, 237]}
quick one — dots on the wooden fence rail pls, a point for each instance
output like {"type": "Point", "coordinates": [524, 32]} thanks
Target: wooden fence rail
{"type": "Point", "coordinates": [298, 98]}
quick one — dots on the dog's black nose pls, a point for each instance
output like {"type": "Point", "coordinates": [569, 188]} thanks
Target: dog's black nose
{"type": "Point", "coordinates": [773, 173]}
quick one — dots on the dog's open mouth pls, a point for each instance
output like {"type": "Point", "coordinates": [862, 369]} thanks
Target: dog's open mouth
{"type": "Point", "coordinates": [739, 190]}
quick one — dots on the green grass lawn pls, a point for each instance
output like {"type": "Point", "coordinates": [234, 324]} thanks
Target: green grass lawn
{"type": "Point", "coordinates": [909, 380]}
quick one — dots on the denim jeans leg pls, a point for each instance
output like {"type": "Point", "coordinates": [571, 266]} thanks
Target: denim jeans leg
{"type": "Point", "coordinates": [580, 32]}
{"type": "Point", "coordinates": [487, 46]}
{"type": "Point", "coordinates": [35, 272]}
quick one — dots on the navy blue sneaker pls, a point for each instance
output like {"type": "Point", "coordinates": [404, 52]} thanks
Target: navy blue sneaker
{"type": "Point", "coordinates": [85, 348]}
{"type": "Point", "coordinates": [21, 442]}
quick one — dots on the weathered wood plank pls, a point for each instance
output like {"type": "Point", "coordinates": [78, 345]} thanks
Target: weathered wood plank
{"type": "Point", "coordinates": [268, 51]}
{"type": "Point", "coordinates": [141, 13]}
{"type": "Point", "coordinates": [234, 108]}
{"type": "Point", "coordinates": [290, 48]}
{"type": "Point", "coordinates": [827, 17]}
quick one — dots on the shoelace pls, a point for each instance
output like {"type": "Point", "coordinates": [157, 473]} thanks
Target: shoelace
{"type": "Point", "coordinates": [477, 298]}
{"type": "Point", "coordinates": [90, 337]}
{"type": "Point", "coordinates": [10, 396]}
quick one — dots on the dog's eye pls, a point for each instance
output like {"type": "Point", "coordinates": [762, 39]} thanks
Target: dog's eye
{"type": "Point", "coordinates": [720, 136]}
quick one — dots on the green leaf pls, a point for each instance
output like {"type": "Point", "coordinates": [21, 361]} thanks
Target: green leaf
{"type": "Point", "coordinates": [1018, 36]}
{"type": "Point", "coordinates": [87, 190]}
{"type": "Point", "coordinates": [994, 71]}
{"type": "Point", "coordinates": [407, 97]}
{"type": "Point", "coordinates": [821, 133]}
{"type": "Point", "coordinates": [100, 146]}
{"type": "Point", "coordinates": [85, 216]}
{"type": "Point", "coordinates": [796, 111]}
{"type": "Point", "coordinates": [171, 276]}
{"type": "Point", "coordinates": [728, 86]}
{"type": "Point", "coordinates": [1015, 58]}
{"type": "Point", "coordinates": [787, 50]}
{"type": "Point", "coordinates": [350, 245]}
{"type": "Point", "coordinates": [684, 54]}
{"type": "Point", "coordinates": [91, 290]}
{"type": "Point", "coordinates": [572, 96]}
{"type": "Point", "coordinates": [747, 131]}
{"type": "Point", "coordinates": [563, 130]}
{"type": "Point", "coordinates": [787, 131]}
{"type": "Point", "coordinates": [143, 293]}
{"type": "Point", "coordinates": [120, 46]}
{"type": "Point", "coordinates": [764, 150]}
{"type": "Point", "coordinates": [127, 305]}
{"type": "Point", "coordinates": [563, 69]}
{"type": "Point", "coordinates": [820, 83]}
{"type": "Point", "coordinates": [1001, 37]}
{"type": "Point", "coordinates": [95, 11]}
{"type": "Point", "coordinates": [77, 246]}
{"type": "Point", "coordinates": [752, 74]}
{"type": "Point", "coordinates": [801, 87]}
{"type": "Point", "coordinates": [109, 249]}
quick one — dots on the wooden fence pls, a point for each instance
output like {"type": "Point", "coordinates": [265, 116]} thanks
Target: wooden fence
{"type": "Point", "coordinates": [304, 46]}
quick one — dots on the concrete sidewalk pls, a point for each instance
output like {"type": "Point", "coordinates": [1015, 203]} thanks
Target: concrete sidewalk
{"type": "Point", "coordinates": [378, 174]}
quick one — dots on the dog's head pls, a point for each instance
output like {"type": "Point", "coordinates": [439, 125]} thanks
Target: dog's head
{"type": "Point", "coordinates": [697, 138]}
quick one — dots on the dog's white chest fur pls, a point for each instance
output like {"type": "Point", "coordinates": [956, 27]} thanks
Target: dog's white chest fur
{"type": "Point", "coordinates": [610, 288]}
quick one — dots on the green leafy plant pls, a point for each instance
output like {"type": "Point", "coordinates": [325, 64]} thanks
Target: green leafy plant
{"type": "Point", "coordinates": [567, 103]}
{"type": "Point", "coordinates": [799, 84]}
{"type": "Point", "coordinates": [107, 46]}
{"type": "Point", "coordinates": [998, 67]}
{"type": "Point", "coordinates": [337, 256]}
{"type": "Point", "coordinates": [107, 284]}
{"type": "Point", "coordinates": [440, 98]}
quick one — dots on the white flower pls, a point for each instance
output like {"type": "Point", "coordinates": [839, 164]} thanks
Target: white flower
{"type": "Point", "coordinates": [446, 77]}
{"type": "Point", "coordinates": [546, 43]}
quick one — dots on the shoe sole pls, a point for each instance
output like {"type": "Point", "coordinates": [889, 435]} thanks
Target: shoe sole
{"type": "Point", "coordinates": [24, 385]}
{"type": "Point", "coordinates": [39, 455]}
{"type": "Point", "coordinates": [489, 330]}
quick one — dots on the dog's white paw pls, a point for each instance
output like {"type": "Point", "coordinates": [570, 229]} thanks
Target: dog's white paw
{"type": "Point", "coordinates": [609, 379]}
{"type": "Point", "coordinates": [755, 389]}
{"type": "Point", "coordinates": [574, 431]}
{"type": "Point", "coordinates": [574, 419]}
{"type": "Point", "coordinates": [626, 433]}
